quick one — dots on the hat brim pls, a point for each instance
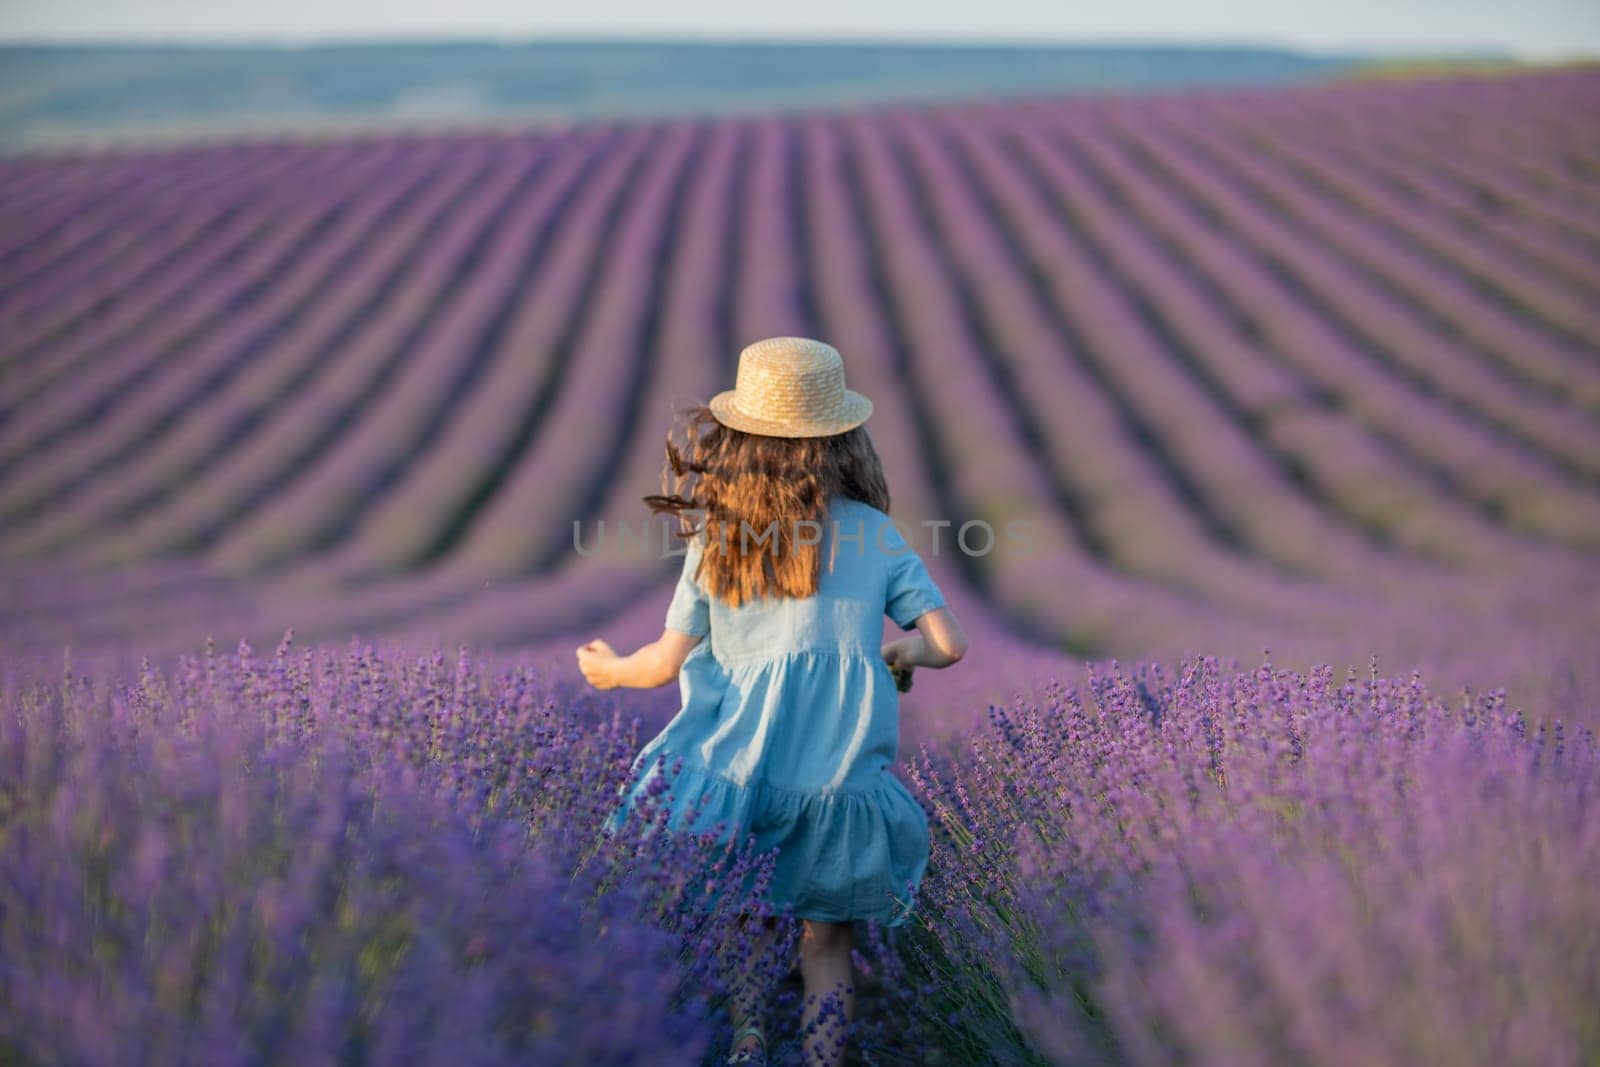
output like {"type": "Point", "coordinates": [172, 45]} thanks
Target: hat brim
{"type": "Point", "coordinates": [852, 413]}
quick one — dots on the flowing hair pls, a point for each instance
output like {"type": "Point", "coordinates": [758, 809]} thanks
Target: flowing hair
{"type": "Point", "coordinates": [757, 494]}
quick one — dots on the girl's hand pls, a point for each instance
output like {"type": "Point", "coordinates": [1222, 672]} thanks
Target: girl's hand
{"type": "Point", "coordinates": [597, 660]}
{"type": "Point", "coordinates": [900, 657]}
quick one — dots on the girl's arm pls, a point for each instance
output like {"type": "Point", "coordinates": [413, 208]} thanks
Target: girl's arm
{"type": "Point", "coordinates": [938, 642]}
{"type": "Point", "coordinates": [654, 664]}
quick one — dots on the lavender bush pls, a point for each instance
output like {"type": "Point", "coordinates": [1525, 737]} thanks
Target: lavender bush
{"type": "Point", "coordinates": [1264, 867]}
{"type": "Point", "coordinates": [319, 858]}
{"type": "Point", "coordinates": [374, 855]}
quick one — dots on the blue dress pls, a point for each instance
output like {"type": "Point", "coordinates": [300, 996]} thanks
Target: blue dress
{"type": "Point", "coordinates": [789, 725]}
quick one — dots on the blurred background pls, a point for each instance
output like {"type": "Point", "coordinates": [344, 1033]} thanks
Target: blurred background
{"type": "Point", "coordinates": [1277, 325]}
{"type": "Point", "coordinates": [135, 71]}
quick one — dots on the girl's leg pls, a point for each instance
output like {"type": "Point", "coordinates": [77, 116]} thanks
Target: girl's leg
{"type": "Point", "coordinates": [829, 990]}
{"type": "Point", "coordinates": [747, 988]}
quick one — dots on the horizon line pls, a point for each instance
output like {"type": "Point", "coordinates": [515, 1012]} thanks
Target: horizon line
{"type": "Point", "coordinates": [706, 38]}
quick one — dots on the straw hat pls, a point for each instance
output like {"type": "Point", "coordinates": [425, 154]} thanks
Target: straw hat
{"type": "Point", "coordinates": [790, 387]}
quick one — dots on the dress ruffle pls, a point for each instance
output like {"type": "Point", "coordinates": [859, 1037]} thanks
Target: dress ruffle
{"type": "Point", "coordinates": [848, 855]}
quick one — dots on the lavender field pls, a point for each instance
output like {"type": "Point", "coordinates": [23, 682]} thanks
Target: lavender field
{"type": "Point", "coordinates": [1276, 747]}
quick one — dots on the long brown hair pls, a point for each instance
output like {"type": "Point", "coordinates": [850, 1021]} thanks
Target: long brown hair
{"type": "Point", "coordinates": [742, 481]}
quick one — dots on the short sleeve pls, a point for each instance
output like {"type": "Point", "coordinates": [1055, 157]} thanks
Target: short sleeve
{"type": "Point", "coordinates": [911, 592]}
{"type": "Point", "coordinates": [690, 610]}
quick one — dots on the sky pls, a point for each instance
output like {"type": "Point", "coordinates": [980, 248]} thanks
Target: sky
{"type": "Point", "coordinates": [1529, 29]}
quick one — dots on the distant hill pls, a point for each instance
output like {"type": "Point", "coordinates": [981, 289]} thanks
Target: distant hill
{"type": "Point", "coordinates": [53, 95]}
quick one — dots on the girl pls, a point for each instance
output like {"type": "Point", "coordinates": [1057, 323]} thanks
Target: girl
{"type": "Point", "coordinates": [789, 724]}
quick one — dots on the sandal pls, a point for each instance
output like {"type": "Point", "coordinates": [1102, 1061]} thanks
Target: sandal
{"type": "Point", "coordinates": [744, 1055]}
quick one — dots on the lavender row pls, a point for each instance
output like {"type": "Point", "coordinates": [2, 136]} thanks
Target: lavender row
{"type": "Point", "coordinates": [1535, 227]}
{"type": "Point", "coordinates": [142, 227]}
{"type": "Point", "coordinates": [126, 310]}
{"type": "Point", "coordinates": [142, 412]}
{"type": "Point", "coordinates": [337, 347]}
{"type": "Point", "coordinates": [1463, 302]}
{"type": "Point", "coordinates": [68, 209]}
{"type": "Point", "coordinates": [1377, 478]}
{"type": "Point", "coordinates": [1484, 464]}
{"type": "Point", "coordinates": [256, 256]}
{"type": "Point", "coordinates": [368, 338]}
{"type": "Point", "coordinates": [286, 370]}
{"type": "Point", "coordinates": [279, 334]}
{"type": "Point", "coordinates": [1204, 451]}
